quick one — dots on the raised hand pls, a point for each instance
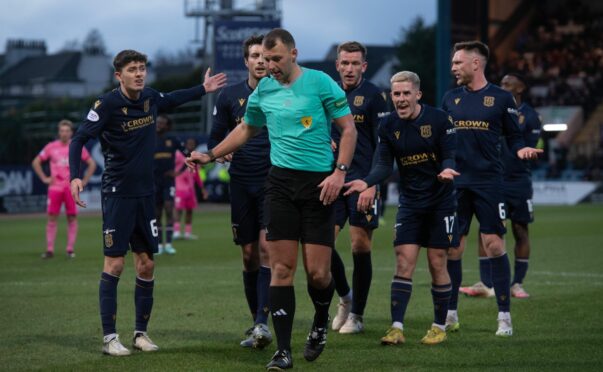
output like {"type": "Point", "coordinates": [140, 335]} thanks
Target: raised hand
{"type": "Point", "coordinates": [529, 153]}
{"type": "Point", "coordinates": [215, 82]}
{"type": "Point", "coordinates": [447, 175]}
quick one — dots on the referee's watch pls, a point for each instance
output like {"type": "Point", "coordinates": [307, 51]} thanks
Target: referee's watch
{"type": "Point", "coordinates": [342, 167]}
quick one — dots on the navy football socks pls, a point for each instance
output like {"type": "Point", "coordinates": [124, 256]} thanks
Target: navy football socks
{"type": "Point", "coordinates": [401, 289]}
{"type": "Point", "coordinates": [250, 285]}
{"type": "Point", "coordinates": [521, 269]}
{"type": "Point", "coordinates": [143, 300]}
{"type": "Point", "coordinates": [361, 281]}
{"type": "Point", "coordinates": [263, 285]}
{"type": "Point", "coordinates": [485, 271]}
{"type": "Point", "coordinates": [441, 297]}
{"type": "Point", "coordinates": [107, 294]}
{"type": "Point", "coordinates": [455, 270]}
{"type": "Point", "coordinates": [338, 273]}
{"type": "Point", "coordinates": [501, 278]}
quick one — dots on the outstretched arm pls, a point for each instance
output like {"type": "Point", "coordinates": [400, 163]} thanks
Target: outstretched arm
{"type": "Point", "coordinates": [237, 138]}
{"type": "Point", "coordinates": [178, 97]}
{"type": "Point", "coordinates": [215, 82]}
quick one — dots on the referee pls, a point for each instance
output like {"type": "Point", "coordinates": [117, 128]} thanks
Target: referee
{"type": "Point", "coordinates": [297, 105]}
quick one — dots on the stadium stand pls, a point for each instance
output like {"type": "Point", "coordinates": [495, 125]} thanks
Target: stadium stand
{"type": "Point", "coordinates": [560, 52]}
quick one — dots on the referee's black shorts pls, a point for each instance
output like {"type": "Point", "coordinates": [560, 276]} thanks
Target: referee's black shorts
{"type": "Point", "coordinates": [292, 208]}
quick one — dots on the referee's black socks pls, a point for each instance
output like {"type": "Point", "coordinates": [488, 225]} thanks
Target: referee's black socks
{"type": "Point", "coordinates": [321, 298]}
{"type": "Point", "coordinates": [282, 307]}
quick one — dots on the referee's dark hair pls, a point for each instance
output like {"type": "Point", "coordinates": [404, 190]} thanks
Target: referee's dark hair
{"type": "Point", "coordinates": [277, 34]}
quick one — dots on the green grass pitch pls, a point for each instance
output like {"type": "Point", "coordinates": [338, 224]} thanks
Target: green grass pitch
{"type": "Point", "coordinates": [49, 309]}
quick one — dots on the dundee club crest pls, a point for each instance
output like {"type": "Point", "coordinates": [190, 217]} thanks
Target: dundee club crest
{"type": "Point", "coordinates": [488, 101]}
{"type": "Point", "coordinates": [358, 101]}
{"type": "Point", "coordinates": [425, 131]}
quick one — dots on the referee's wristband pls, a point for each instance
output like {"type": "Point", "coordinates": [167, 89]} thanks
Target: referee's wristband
{"type": "Point", "coordinates": [211, 155]}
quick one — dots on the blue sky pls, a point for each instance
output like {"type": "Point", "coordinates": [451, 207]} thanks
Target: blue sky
{"type": "Point", "coordinates": [153, 25]}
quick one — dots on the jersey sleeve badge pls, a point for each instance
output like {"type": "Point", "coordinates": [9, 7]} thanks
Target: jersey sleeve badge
{"type": "Point", "coordinates": [92, 116]}
{"type": "Point", "coordinates": [341, 102]}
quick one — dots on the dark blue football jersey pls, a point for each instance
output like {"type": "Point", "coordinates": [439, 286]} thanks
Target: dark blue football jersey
{"type": "Point", "coordinates": [481, 117]}
{"type": "Point", "coordinates": [127, 134]}
{"type": "Point", "coordinates": [422, 148]}
{"type": "Point", "coordinates": [165, 158]}
{"type": "Point", "coordinates": [530, 125]}
{"type": "Point", "coordinates": [251, 162]}
{"type": "Point", "coordinates": [368, 104]}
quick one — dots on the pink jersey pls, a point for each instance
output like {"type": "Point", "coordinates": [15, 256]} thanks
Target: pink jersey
{"type": "Point", "coordinates": [186, 180]}
{"type": "Point", "coordinates": [57, 153]}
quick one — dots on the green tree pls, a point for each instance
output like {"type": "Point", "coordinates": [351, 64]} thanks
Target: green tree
{"type": "Point", "coordinates": [417, 53]}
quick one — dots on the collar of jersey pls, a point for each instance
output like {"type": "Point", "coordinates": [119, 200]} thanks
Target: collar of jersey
{"type": "Point", "coordinates": [476, 91]}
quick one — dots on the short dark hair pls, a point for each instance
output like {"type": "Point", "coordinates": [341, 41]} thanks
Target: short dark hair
{"type": "Point", "coordinates": [519, 77]}
{"type": "Point", "coordinates": [277, 34]}
{"type": "Point", "coordinates": [167, 118]}
{"type": "Point", "coordinates": [351, 47]}
{"type": "Point", "coordinates": [252, 40]}
{"type": "Point", "coordinates": [126, 56]}
{"type": "Point", "coordinates": [474, 46]}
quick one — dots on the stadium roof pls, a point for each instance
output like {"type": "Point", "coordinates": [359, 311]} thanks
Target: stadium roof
{"type": "Point", "coordinates": [57, 67]}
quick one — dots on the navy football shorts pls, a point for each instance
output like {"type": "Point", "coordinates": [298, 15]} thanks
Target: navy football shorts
{"type": "Point", "coordinates": [129, 223]}
{"type": "Point", "coordinates": [246, 211]}
{"type": "Point", "coordinates": [518, 200]}
{"type": "Point", "coordinates": [165, 193]}
{"type": "Point", "coordinates": [487, 203]}
{"type": "Point", "coordinates": [345, 208]}
{"type": "Point", "coordinates": [427, 228]}
{"type": "Point", "coordinates": [293, 210]}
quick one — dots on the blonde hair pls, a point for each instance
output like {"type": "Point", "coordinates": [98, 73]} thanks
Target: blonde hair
{"type": "Point", "coordinates": [65, 123]}
{"type": "Point", "coordinates": [406, 76]}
